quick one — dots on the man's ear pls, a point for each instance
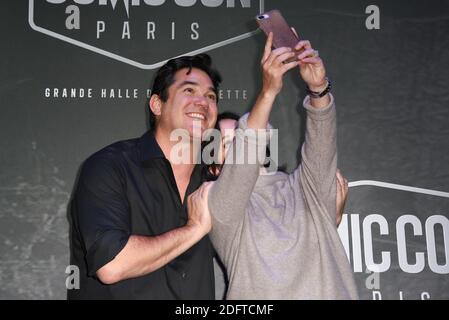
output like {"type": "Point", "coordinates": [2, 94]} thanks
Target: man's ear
{"type": "Point", "coordinates": [155, 104]}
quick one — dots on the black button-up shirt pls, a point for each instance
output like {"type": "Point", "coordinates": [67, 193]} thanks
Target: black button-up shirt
{"type": "Point", "coordinates": [128, 188]}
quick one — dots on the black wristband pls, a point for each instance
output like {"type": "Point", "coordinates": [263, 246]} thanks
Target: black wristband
{"type": "Point", "coordinates": [321, 94]}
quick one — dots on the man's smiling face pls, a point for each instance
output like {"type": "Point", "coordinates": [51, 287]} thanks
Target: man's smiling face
{"type": "Point", "coordinates": [191, 103]}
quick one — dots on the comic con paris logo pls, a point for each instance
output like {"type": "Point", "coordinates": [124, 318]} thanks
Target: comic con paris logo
{"type": "Point", "coordinates": [145, 33]}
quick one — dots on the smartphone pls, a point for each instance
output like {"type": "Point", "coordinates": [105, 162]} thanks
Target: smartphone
{"type": "Point", "coordinates": [283, 36]}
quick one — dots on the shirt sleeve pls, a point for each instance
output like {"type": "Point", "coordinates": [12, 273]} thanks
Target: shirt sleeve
{"type": "Point", "coordinates": [317, 170]}
{"type": "Point", "coordinates": [102, 212]}
{"type": "Point", "coordinates": [230, 193]}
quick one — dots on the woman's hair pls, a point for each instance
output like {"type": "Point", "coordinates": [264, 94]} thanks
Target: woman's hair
{"type": "Point", "coordinates": [214, 168]}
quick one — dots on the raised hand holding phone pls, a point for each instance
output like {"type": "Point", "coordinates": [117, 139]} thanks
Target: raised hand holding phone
{"type": "Point", "coordinates": [311, 65]}
{"type": "Point", "coordinates": [274, 66]}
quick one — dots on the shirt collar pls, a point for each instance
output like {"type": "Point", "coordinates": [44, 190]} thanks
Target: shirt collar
{"type": "Point", "coordinates": [149, 148]}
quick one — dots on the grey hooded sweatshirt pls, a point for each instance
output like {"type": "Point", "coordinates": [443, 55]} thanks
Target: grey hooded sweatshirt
{"type": "Point", "coordinates": [276, 234]}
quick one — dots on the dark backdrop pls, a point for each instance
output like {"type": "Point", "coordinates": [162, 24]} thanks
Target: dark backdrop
{"type": "Point", "coordinates": [390, 86]}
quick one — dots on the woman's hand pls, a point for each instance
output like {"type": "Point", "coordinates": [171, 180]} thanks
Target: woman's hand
{"type": "Point", "coordinates": [311, 66]}
{"type": "Point", "coordinates": [342, 195]}
{"type": "Point", "coordinates": [274, 68]}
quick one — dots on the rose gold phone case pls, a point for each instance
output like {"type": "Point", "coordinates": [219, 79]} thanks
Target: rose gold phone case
{"type": "Point", "coordinates": [273, 21]}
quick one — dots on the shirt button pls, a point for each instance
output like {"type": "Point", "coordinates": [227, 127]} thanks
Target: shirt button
{"type": "Point", "coordinates": [183, 275]}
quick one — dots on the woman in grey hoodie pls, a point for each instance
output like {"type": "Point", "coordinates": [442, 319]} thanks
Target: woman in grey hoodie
{"type": "Point", "coordinates": [277, 233]}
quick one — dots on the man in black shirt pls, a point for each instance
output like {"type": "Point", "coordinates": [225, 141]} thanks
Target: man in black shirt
{"type": "Point", "coordinates": [134, 235]}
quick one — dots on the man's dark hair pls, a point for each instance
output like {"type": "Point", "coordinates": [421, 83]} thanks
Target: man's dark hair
{"type": "Point", "coordinates": [165, 76]}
